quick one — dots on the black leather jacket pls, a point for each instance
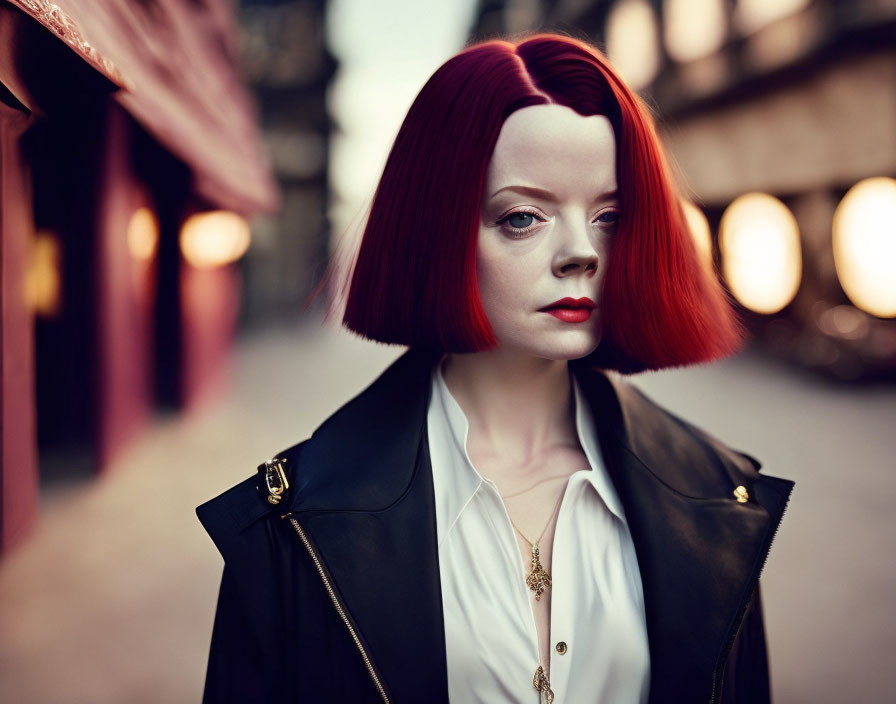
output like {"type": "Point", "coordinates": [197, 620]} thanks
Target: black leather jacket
{"type": "Point", "coordinates": [334, 594]}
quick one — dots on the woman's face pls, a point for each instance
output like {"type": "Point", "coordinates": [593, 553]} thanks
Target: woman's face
{"type": "Point", "coordinates": [548, 215]}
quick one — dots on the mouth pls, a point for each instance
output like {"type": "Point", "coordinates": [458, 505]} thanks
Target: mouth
{"type": "Point", "coordinates": [570, 310]}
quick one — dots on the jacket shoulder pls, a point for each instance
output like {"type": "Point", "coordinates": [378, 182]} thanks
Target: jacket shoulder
{"type": "Point", "coordinates": [229, 517]}
{"type": "Point", "coordinates": [687, 457]}
{"type": "Point", "coordinates": [692, 462]}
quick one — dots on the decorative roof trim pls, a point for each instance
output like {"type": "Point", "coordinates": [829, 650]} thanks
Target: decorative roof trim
{"type": "Point", "coordinates": [63, 26]}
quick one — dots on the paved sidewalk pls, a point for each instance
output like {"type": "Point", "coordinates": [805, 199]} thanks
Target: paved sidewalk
{"type": "Point", "coordinates": [112, 597]}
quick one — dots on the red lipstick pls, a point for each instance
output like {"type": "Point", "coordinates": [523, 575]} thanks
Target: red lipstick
{"type": "Point", "coordinates": [571, 310]}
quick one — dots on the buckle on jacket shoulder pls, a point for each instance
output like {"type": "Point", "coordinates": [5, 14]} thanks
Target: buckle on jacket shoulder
{"type": "Point", "coordinates": [274, 477]}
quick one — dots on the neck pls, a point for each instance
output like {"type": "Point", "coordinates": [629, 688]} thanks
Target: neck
{"type": "Point", "coordinates": [516, 404]}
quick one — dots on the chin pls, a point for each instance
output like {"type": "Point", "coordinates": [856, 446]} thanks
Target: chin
{"type": "Point", "coordinates": [565, 347]}
{"type": "Point", "coordinates": [572, 352]}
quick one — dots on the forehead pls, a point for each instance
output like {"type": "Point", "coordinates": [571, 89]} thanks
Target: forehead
{"type": "Point", "coordinates": [554, 147]}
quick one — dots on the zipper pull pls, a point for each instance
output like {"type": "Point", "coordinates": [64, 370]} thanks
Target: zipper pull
{"type": "Point", "coordinates": [543, 685]}
{"type": "Point", "coordinates": [274, 479]}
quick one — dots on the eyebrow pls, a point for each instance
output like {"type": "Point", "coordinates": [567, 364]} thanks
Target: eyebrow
{"type": "Point", "coordinates": [534, 192]}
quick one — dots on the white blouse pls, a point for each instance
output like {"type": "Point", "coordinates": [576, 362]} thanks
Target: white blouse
{"type": "Point", "coordinates": [597, 605]}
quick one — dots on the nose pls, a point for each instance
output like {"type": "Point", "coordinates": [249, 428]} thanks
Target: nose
{"type": "Point", "coordinates": [576, 254]}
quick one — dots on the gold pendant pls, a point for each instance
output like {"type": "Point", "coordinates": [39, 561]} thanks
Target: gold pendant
{"type": "Point", "coordinates": [543, 685]}
{"type": "Point", "coordinates": [538, 580]}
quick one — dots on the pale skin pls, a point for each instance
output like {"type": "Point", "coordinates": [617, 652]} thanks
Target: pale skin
{"type": "Point", "coordinates": [517, 396]}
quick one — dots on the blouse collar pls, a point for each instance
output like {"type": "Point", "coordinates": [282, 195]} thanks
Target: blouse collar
{"type": "Point", "coordinates": [458, 479]}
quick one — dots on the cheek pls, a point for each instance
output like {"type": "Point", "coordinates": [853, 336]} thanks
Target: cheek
{"type": "Point", "coordinates": [489, 288]}
{"type": "Point", "coordinates": [510, 271]}
{"type": "Point", "coordinates": [502, 283]}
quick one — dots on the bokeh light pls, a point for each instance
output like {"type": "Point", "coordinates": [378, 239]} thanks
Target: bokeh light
{"type": "Point", "coordinates": [761, 258]}
{"type": "Point", "coordinates": [699, 227]}
{"type": "Point", "coordinates": [693, 29]}
{"type": "Point", "coordinates": [864, 241]}
{"type": "Point", "coordinates": [43, 278]}
{"type": "Point", "coordinates": [633, 41]}
{"type": "Point", "coordinates": [143, 234]}
{"type": "Point", "coordinates": [209, 240]}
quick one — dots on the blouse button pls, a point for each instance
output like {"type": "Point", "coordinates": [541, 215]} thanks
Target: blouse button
{"type": "Point", "coordinates": [561, 648]}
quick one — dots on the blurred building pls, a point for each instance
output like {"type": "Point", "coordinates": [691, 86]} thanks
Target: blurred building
{"type": "Point", "coordinates": [129, 164]}
{"type": "Point", "coordinates": [780, 118]}
{"type": "Point", "coordinates": [288, 66]}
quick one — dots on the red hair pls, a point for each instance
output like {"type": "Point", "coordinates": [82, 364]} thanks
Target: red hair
{"type": "Point", "coordinates": [414, 281]}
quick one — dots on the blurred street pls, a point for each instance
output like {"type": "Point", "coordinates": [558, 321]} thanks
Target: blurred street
{"type": "Point", "coordinates": [111, 598]}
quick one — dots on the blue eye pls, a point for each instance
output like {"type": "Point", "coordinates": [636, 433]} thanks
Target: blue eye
{"type": "Point", "coordinates": [613, 217]}
{"type": "Point", "coordinates": [515, 220]}
{"type": "Point", "coordinates": [519, 223]}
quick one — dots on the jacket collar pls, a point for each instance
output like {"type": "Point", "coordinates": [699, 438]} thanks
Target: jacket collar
{"type": "Point", "coordinates": [362, 458]}
{"type": "Point", "coordinates": [364, 494]}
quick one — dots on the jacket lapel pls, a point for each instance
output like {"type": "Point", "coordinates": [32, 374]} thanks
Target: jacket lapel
{"type": "Point", "coordinates": [699, 550]}
{"type": "Point", "coordinates": [364, 496]}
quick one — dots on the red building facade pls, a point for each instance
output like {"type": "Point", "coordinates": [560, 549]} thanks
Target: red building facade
{"type": "Point", "coordinates": [119, 122]}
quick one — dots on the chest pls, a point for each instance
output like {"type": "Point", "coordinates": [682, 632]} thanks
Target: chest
{"type": "Point", "coordinates": [532, 493]}
{"type": "Point", "coordinates": [497, 634]}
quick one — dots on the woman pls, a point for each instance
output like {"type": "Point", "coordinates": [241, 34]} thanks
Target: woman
{"type": "Point", "coordinates": [496, 518]}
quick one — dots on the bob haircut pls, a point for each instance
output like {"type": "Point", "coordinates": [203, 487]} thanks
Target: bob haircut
{"type": "Point", "coordinates": [414, 281]}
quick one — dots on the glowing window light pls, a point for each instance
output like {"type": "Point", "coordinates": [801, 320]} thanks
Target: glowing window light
{"type": "Point", "coordinates": [864, 241]}
{"type": "Point", "coordinates": [632, 42]}
{"type": "Point", "coordinates": [693, 29]}
{"type": "Point", "coordinates": [209, 240]}
{"type": "Point", "coordinates": [143, 234]}
{"type": "Point", "coordinates": [43, 281]}
{"type": "Point", "coordinates": [699, 228]}
{"type": "Point", "coordinates": [761, 257]}
{"type": "Point", "coordinates": [751, 15]}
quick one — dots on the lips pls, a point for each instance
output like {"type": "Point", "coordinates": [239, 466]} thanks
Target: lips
{"type": "Point", "coordinates": [571, 310]}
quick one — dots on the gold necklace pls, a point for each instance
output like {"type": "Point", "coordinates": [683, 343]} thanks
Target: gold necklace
{"type": "Point", "coordinates": [538, 579]}
{"type": "Point", "coordinates": [541, 682]}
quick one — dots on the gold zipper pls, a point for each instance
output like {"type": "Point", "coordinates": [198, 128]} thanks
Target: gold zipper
{"type": "Point", "coordinates": [339, 609]}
